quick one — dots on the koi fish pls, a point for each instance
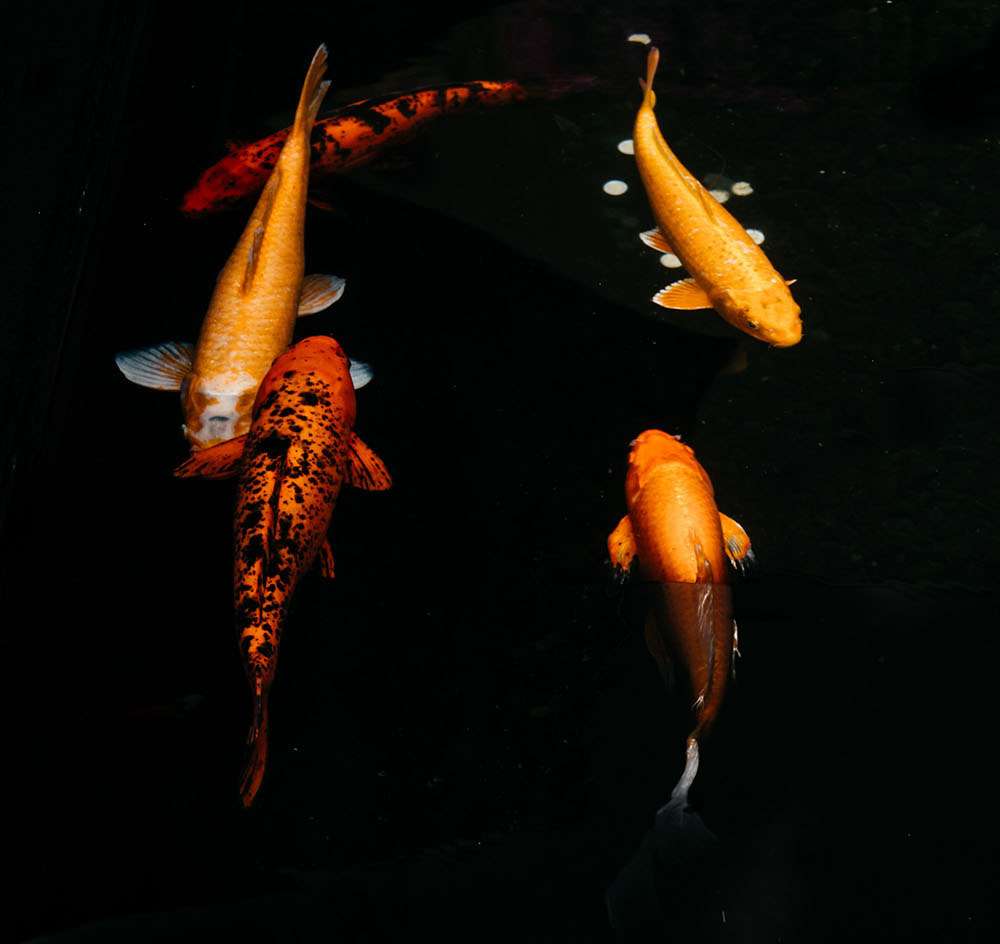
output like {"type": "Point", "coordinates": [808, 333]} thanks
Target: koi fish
{"type": "Point", "coordinates": [351, 136]}
{"type": "Point", "coordinates": [257, 297]}
{"type": "Point", "coordinates": [300, 450]}
{"type": "Point", "coordinates": [729, 271]}
{"type": "Point", "coordinates": [681, 540]}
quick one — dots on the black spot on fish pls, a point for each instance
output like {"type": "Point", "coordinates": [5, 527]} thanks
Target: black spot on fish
{"type": "Point", "coordinates": [405, 107]}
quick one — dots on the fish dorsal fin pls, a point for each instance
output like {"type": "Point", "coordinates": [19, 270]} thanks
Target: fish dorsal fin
{"type": "Point", "coordinates": [160, 367]}
{"type": "Point", "coordinates": [655, 240]}
{"type": "Point", "coordinates": [319, 292]}
{"type": "Point", "coordinates": [262, 213]}
{"type": "Point", "coordinates": [365, 469]}
{"type": "Point", "coordinates": [684, 295]}
{"type": "Point", "coordinates": [712, 207]}
{"type": "Point", "coordinates": [253, 256]}
{"type": "Point", "coordinates": [705, 590]}
{"type": "Point", "coordinates": [621, 545]}
{"type": "Point", "coordinates": [216, 462]}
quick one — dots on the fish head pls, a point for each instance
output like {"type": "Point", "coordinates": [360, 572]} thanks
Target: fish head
{"type": "Point", "coordinates": [214, 412]}
{"type": "Point", "coordinates": [318, 356]}
{"type": "Point", "coordinates": [651, 450]}
{"type": "Point", "coordinates": [769, 314]}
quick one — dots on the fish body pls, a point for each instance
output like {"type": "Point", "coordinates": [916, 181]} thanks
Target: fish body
{"type": "Point", "coordinates": [257, 297]}
{"type": "Point", "coordinates": [350, 137]}
{"type": "Point", "coordinates": [300, 451]}
{"type": "Point", "coordinates": [681, 541]}
{"type": "Point", "coordinates": [729, 271]}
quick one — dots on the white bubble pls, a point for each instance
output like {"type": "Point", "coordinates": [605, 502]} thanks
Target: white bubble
{"type": "Point", "coordinates": [741, 188]}
{"type": "Point", "coordinates": [721, 195]}
{"type": "Point", "coordinates": [671, 261]}
{"type": "Point", "coordinates": [756, 235]}
{"type": "Point", "coordinates": [615, 188]}
{"type": "Point", "coordinates": [626, 146]}
{"type": "Point", "coordinates": [640, 38]}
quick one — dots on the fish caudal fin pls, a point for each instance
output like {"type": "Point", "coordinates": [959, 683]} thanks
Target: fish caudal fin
{"type": "Point", "coordinates": [678, 801]}
{"type": "Point", "coordinates": [652, 61]}
{"type": "Point", "coordinates": [313, 91]}
{"type": "Point", "coordinates": [253, 772]}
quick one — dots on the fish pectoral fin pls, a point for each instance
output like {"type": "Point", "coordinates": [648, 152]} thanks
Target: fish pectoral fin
{"type": "Point", "coordinates": [361, 373]}
{"type": "Point", "coordinates": [685, 295]}
{"type": "Point", "coordinates": [790, 281]}
{"type": "Point", "coordinates": [216, 462]}
{"type": "Point", "coordinates": [365, 469]}
{"type": "Point", "coordinates": [655, 240]}
{"type": "Point", "coordinates": [737, 543]}
{"type": "Point", "coordinates": [160, 367]}
{"type": "Point", "coordinates": [325, 560]}
{"type": "Point", "coordinates": [621, 545]}
{"type": "Point", "coordinates": [319, 292]}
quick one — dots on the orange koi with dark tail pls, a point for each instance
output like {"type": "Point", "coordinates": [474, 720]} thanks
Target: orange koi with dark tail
{"type": "Point", "coordinates": [351, 136]}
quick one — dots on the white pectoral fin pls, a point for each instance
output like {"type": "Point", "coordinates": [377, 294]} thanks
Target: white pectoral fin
{"type": "Point", "coordinates": [319, 292]}
{"type": "Point", "coordinates": [361, 373]}
{"type": "Point", "coordinates": [161, 367]}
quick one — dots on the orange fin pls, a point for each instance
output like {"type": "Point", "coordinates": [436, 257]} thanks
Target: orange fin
{"type": "Point", "coordinates": [737, 543]}
{"type": "Point", "coordinates": [366, 470]}
{"type": "Point", "coordinates": [313, 91]}
{"type": "Point", "coordinates": [790, 281]}
{"type": "Point", "coordinates": [216, 462]}
{"type": "Point", "coordinates": [161, 367]}
{"type": "Point", "coordinates": [325, 560]}
{"type": "Point", "coordinates": [621, 545]}
{"type": "Point", "coordinates": [655, 240]}
{"type": "Point", "coordinates": [685, 295]}
{"type": "Point", "coordinates": [319, 292]}
{"type": "Point", "coordinates": [253, 772]}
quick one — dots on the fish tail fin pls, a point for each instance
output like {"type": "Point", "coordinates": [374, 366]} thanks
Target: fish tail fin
{"type": "Point", "coordinates": [652, 62]}
{"type": "Point", "coordinates": [313, 91]}
{"type": "Point", "coordinates": [253, 772]}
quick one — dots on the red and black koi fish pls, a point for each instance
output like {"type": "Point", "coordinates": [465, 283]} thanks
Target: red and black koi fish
{"type": "Point", "coordinates": [300, 450]}
{"type": "Point", "coordinates": [351, 136]}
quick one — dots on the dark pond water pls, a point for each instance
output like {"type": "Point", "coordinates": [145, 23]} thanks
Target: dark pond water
{"type": "Point", "coordinates": [468, 734]}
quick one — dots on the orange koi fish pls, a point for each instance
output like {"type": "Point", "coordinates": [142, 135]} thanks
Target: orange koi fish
{"type": "Point", "coordinates": [351, 136]}
{"type": "Point", "coordinates": [681, 540]}
{"type": "Point", "coordinates": [300, 450]}
{"type": "Point", "coordinates": [257, 298]}
{"type": "Point", "coordinates": [729, 271]}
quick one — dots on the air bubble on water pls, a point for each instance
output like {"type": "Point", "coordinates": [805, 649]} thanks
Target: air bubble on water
{"type": "Point", "coordinates": [615, 188]}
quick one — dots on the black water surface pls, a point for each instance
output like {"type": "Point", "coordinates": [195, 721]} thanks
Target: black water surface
{"type": "Point", "coordinates": [468, 735]}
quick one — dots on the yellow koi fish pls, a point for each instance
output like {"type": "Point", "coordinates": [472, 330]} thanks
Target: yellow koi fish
{"type": "Point", "coordinates": [729, 271]}
{"type": "Point", "coordinates": [257, 298]}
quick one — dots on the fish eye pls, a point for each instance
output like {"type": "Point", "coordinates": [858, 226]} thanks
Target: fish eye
{"type": "Point", "coordinates": [753, 325]}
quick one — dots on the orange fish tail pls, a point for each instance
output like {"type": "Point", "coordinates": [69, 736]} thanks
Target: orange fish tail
{"type": "Point", "coordinates": [652, 62]}
{"type": "Point", "coordinates": [313, 92]}
{"type": "Point", "coordinates": [253, 772]}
